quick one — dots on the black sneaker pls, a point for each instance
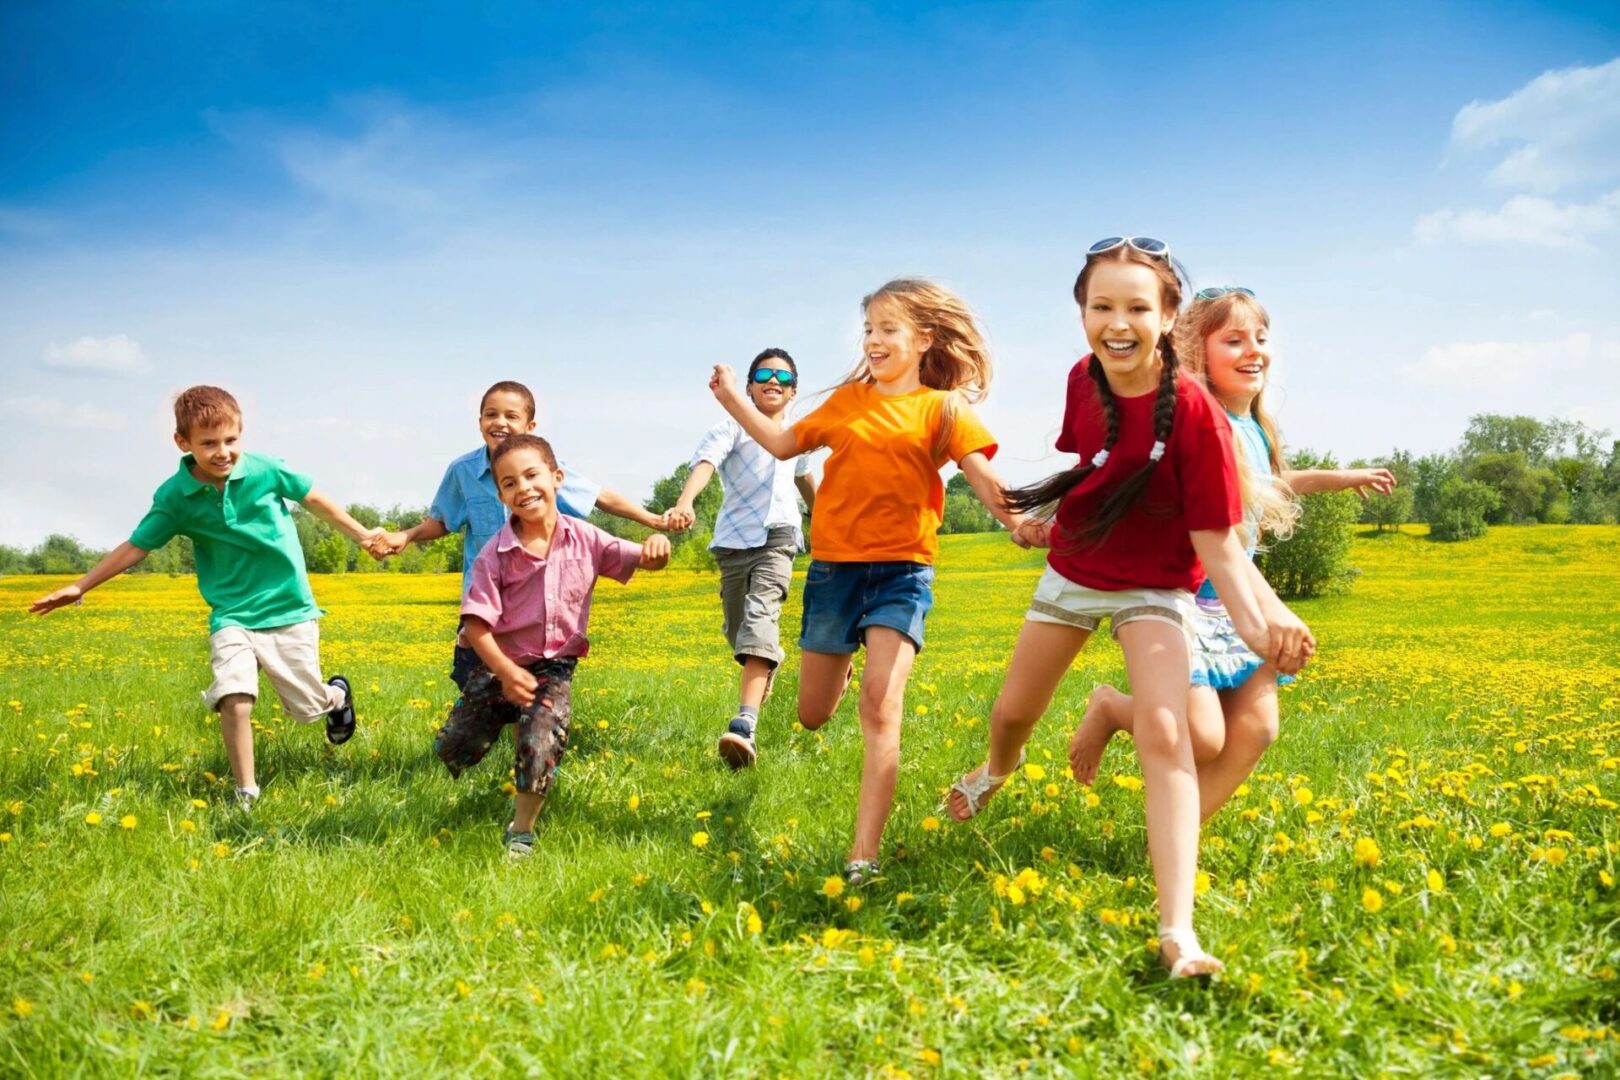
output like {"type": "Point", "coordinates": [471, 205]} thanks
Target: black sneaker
{"type": "Point", "coordinates": [737, 744]}
{"type": "Point", "coordinates": [340, 721]}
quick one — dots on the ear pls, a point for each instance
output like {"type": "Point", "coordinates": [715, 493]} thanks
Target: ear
{"type": "Point", "coordinates": [530, 429]}
{"type": "Point", "coordinates": [1168, 324]}
{"type": "Point", "coordinates": [182, 442]}
{"type": "Point", "coordinates": [925, 339]}
{"type": "Point", "coordinates": [557, 475]}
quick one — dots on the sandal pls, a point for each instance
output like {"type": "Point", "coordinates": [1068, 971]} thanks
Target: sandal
{"type": "Point", "coordinates": [1189, 952]}
{"type": "Point", "coordinates": [977, 791]}
{"type": "Point", "coordinates": [858, 872]}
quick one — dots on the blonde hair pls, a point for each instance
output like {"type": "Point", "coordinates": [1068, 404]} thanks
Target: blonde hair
{"type": "Point", "coordinates": [1270, 507]}
{"type": "Point", "coordinates": [956, 361]}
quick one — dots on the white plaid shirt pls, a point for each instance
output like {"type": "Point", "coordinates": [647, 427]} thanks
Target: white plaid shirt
{"type": "Point", "coordinates": [759, 490]}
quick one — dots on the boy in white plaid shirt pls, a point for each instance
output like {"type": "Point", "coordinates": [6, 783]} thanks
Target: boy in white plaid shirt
{"type": "Point", "coordinates": [756, 537]}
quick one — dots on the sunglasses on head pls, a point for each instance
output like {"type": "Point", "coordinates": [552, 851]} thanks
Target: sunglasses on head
{"type": "Point", "coordinates": [1158, 249]}
{"type": "Point", "coordinates": [1215, 292]}
{"type": "Point", "coordinates": [763, 375]}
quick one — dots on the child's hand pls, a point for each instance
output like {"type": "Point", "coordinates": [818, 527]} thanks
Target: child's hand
{"type": "Point", "coordinates": [1290, 642]}
{"type": "Point", "coordinates": [386, 543]}
{"type": "Point", "coordinates": [654, 552]}
{"type": "Point", "coordinates": [723, 384]}
{"type": "Point", "coordinates": [679, 517]}
{"type": "Point", "coordinates": [518, 686]}
{"type": "Point", "coordinates": [68, 594]}
{"type": "Point", "coordinates": [1381, 481]}
{"type": "Point", "coordinates": [1033, 532]}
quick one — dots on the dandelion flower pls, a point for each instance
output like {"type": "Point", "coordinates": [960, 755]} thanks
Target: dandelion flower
{"type": "Point", "coordinates": [700, 839]}
{"type": "Point", "coordinates": [930, 824]}
{"type": "Point", "coordinates": [1129, 783]}
{"type": "Point", "coordinates": [92, 818]}
{"type": "Point", "coordinates": [1372, 900]}
{"type": "Point", "coordinates": [1035, 772]}
{"type": "Point", "coordinates": [1436, 881]}
{"type": "Point", "coordinates": [1367, 853]}
{"type": "Point", "coordinates": [833, 887]}
{"type": "Point", "coordinates": [128, 821]}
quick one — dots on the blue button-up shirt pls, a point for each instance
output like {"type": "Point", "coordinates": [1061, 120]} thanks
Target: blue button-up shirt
{"type": "Point", "coordinates": [468, 500]}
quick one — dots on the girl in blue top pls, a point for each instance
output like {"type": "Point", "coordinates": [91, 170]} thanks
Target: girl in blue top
{"type": "Point", "coordinates": [1225, 337]}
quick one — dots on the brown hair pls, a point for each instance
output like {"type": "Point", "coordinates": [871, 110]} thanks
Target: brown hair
{"type": "Point", "coordinates": [204, 406]}
{"type": "Point", "coordinates": [506, 386]}
{"type": "Point", "coordinates": [1044, 495]}
{"type": "Point", "coordinates": [1268, 503]}
{"type": "Point", "coordinates": [958, 358]}
{"type": "Point", "coordinates": [513, 443]}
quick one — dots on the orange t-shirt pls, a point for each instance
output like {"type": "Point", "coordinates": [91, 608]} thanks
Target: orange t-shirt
{"type": "Point", "coordinates": [881, 498]}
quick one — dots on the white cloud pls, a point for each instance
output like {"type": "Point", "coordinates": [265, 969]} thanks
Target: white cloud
{"type": "Point", "coordinates": [61, 413]}
{"type": "Point", "coordinates": [116, 355]}
{"type": "Point", "coordinates": [1525, 219]}
{"type": "Point", "coordinates": [1499, 363]}
{"type": "Point", "coordinates": [1562, 128]}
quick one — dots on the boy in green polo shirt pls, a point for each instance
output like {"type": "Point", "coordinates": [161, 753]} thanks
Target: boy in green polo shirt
{"type": "Point", "coordinates": [250, 569]}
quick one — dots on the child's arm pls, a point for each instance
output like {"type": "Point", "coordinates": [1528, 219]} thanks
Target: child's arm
{"type": "Point", "coordinates": [681, 516]}
{"type": "Point", "coordinates": [806, 483]}
{"type": "Point", "coordinates": [1309, 481]}
{"type": "Point", "coordinates": [517, 685]}
{"type": "Point", "coordinates": [779, 442]}
{"type": "Point", "coordinates": [654, 553]}
{"type": "Point", "coordinates": [621, 507]}
{"type": "Point", "coordinates": [425, 531]}
{"type": "Point", "coordinates": [987, 485]}
{"type": "Point", "coordinates": [112, 564]}
{"type": "Point", "coordinates": [1260, 619]}
{"type": "Point", "coordinates": [326, 508]}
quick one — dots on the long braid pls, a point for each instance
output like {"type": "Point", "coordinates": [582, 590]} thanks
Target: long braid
{"type": "Point", "coordinates": [1118, 502]}
{"type": "Point", "coordinates": [1042, 497]}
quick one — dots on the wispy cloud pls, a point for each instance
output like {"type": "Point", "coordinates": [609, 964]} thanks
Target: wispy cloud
{"type": "Point", "coordinates": [115, 355]}
{"type": "Point", "coordinates": [62, 413]}
{"type": "Point", "coordinates": [1499, 363]}
{"type": "Point", "coordinates": [1559, 131]}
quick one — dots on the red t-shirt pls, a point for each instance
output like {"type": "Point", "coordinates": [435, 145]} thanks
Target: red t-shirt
{"type": "Point", "coordinates": [1194, 486]}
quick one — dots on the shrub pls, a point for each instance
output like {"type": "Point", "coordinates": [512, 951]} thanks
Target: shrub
{"type": "Point", "coordinates": [1460, 509]}
{"type": "Point", "coordinates": [1316, 558]}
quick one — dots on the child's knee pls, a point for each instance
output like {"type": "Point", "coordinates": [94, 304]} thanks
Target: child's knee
{"type": "Point", "coordinates": [1208, 740]}
{"type": "Point", "coordinates": [1256, 732]}
{"type": "Point", "coordinates": [1157, 732]}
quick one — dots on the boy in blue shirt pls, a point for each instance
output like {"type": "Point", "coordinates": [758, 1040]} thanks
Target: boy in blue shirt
{"type": "Point", "coordinates": [467, 500]}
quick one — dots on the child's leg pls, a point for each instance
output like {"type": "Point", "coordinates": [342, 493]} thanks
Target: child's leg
{"type": "Point", "coordinates": [1108, 710]}
{"type": "Point", "coordinates": [474, 723]}
{"type": "Point", "coordinates": [1039, 661]}
{"type": "Point", "coordinates": [1251, 727]}
{"type": "Point", "coordinates": [1156, 658]}
{"type": "Point", "coordinates": [756, 672]}
{"type": "Point", "coordinates": [236, 728]}
{"type": "Point", "coordinates": [889, 656]}
{"type": "Point", "coordinates": [542, 737]}
{"type": "Point", "coordinates": [823, 678]}
{"type": "Point", "coordinates": [291, 659]}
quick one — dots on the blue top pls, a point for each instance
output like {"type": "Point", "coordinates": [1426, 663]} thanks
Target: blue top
{"type": "Point", "coordinates": [468, 499]}
{"type": "Point", "coordinates": [1254, 449]}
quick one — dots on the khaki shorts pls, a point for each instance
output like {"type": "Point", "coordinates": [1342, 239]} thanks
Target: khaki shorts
{"type": "Point", "coordinates": [291, 659]}
{"type": "Point", "coordinates": [1059, 600]}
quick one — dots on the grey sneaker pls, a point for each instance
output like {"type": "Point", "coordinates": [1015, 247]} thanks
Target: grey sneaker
{"type": "Point", "coordinates": [519, 845]}
{"type": "Point", "coordinates": [737, 744]}
{"type": "Point", "coordinates": [246, 797]}
{"type": "Point", "coordinates": [858, 872]}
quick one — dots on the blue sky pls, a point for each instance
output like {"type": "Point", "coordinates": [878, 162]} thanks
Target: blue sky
{"type": "Point", "coordinates": [356, 217]}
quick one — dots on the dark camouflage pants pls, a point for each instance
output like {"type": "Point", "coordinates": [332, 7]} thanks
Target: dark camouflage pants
{"type": "Point", "coordinates": [476, 721]}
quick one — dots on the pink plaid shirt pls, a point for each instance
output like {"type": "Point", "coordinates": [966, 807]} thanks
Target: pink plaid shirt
{"type": "Point", "coordinates": [538, 607]}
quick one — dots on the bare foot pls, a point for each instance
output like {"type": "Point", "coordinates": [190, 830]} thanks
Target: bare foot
{"type": "Point", "coordinates": [957, 803]}
{"type": "Point", "coordinates": [1097, 726]}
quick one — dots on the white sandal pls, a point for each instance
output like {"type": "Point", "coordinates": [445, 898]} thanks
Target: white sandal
{"type": "Point", "coordinates": [977, 790]}
{"type": "Point", "coordinates": [1189, 952]}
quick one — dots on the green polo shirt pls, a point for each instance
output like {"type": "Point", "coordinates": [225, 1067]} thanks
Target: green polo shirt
{"type": "Point", "coordinates": [250, 568]}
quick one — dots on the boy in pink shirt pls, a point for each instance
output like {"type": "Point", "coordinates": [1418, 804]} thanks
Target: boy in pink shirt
{"type": "Point", "coordinates": [524, 615]}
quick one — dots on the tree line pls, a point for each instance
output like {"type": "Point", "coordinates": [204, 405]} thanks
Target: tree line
{"type": "Point", "coordinates": [1506, 470]}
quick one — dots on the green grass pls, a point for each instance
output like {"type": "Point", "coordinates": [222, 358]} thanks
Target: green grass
{"type": "Point", "coordinates": [363, 918]}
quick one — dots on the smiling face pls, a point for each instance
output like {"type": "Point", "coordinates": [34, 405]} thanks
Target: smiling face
{"type": "Point", "coordinates": [215, 447]}
{"type": "Point", "coordinates": [1236, 360]}
{"type": "Point", "coordinates": [528, 486]}
{"type": "Point", "coordinates": [893, 346]}
{"type": "Point", "coordinates": [771, 397]}
{"type": "Point", "coordinates": [503, 413]}
{"type": "Point", "coordinates": [1124, 316]}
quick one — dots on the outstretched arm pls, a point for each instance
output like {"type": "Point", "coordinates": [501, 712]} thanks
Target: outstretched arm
{"type": "Point", "coordinates": [681, 516]}
{"type": "Point", "coordinates": [778, 442]}
{"type": "Point", "coordinates": [986, 484]}
{"type": "Point", "coordinates": [1260, 619]}
{"type": "Point", "coordinates": [112, 564]}
{"type": "Point", "coordinates": [327, 509]}
{"type": "Point", "coordinates": [425, 531]}
{"type": "Point", "coordinates": [1310, 481]}
{"type": "Point", "coordinates": [621, 507]}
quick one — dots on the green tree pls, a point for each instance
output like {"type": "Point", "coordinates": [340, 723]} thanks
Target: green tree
{"type": "Point", "coordinates": [1526, 494]}
{"type": "Point", "coordinates": [1315, 559]}
{"type": "Point", "coordinates": [964, 513]}
{"type": "Point", "coordinates": [1461, 509]}
{"type": "Point", "coordinates": [1396, 508]}
{"type": "Point", "coordinates": [705, 508]}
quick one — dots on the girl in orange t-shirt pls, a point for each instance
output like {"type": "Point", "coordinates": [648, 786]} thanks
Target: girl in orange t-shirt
{"type": "Point", "coordinates": [900, 415]}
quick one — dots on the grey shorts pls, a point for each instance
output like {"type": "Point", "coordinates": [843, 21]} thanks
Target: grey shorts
{"type": "Point", "coordinates": [290, 657]}
{"type": "Point", "coordinates": [753, 584]}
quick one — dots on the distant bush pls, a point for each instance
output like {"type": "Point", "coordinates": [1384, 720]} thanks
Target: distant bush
{"type": "Point", "coordinates": [1315, 559]}
{"type": "Point", "coordinates": [1461, 507]}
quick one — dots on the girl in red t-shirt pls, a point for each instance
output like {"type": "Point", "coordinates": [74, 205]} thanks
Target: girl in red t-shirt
{"type": "Point", "coordinates": [1155, 492]}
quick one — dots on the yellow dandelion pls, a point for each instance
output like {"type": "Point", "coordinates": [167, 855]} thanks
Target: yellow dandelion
{"type": "Point", "coordinates": [1304, 796]}
{"type": "Point", "coordinates": [92, 818]}
{"type": "Point", "coordinates": [1200, 883]}
{"type": "Point", "coordinates": [833, 887]}
{"type": "Point", "coordinates": [930, 824]}
{"type": "Point", "coordinates": [634, 803]}
{"type": "Point", "coordinates": [1436, 881]}
{"type": "Point", "coordinates": [755, 923]}
{"type": "Point", "coordinates": [188, 826]}
{"type": "Point", "coordinates": [700, 839]}
{"type": "Point", "coordinates": [1129, 783]}
{"type": "Point", "coordinates": [853, 903]}
{"type": "Point", "coordinates": [222, 850]}
{"type": "Point", "coordinates": [22, 1008]}
{"type": "Point", "coordinates": [128, 821]}
{"type": "Point", "coordinates": [1367, 853]}
{"type": "Point", "coordinates": [1372, 900]}
{"type": "Point", "coordinates": [1035, 772]}
{"type": "Point", "coordinates": [1501, 828]}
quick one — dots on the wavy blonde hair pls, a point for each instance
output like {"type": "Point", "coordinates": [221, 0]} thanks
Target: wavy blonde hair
{"type": "Point", "coordinates": [1270, 508]}
{"type": "Point", "coordinates": [957, 360]}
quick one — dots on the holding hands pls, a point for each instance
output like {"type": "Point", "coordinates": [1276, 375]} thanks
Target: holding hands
{"type": "Point", "coordinates": [1033, 532]}
{"type": "Point", "coordinates": [679, 517]}
{"type": "Point", "coordinates": [385, 543]}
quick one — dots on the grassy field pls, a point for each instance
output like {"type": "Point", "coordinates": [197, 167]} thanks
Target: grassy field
{"type": "Point", "coordinates": [1420, 882]}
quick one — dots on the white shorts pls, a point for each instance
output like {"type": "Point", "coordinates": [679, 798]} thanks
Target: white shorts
{"type": "Point", "coordinates": [1059, 600]}
{"type": "Point", "coordinates": [291, 659]}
